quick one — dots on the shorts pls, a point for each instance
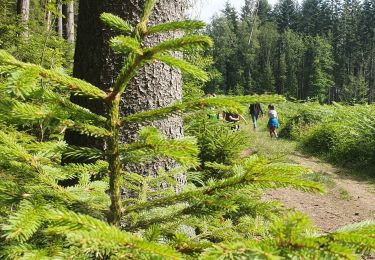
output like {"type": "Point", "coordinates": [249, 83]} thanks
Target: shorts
{"type": "Point", "coordinates": [273, 123]}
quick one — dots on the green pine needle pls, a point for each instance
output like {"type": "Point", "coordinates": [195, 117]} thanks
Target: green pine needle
{"type": "Point", "coordinates": [147, 10]}
{"type": "Point", "coordinates": [181, 44]}
{"type": "Point", "coordinates": [124, 44]}
{"type": "Point", "coordinates": [176, 25]}
{"type": "Point", "coordinates": [184, 66]}
{"type": "Point", "coordinates": [116, 23]}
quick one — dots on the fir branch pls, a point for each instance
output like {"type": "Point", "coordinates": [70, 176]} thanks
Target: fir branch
{"type": "Point", "coordinates": [82, 153]}
{"type": "Point", "coordinates": [152, 144]}
{"type": "Point", "coordinates": [286, 181]}
{"type": "Point", "coordinates": [147, 10]}
{"type": "Point", "coordinates": [97, 236]}
{"type": "Point", "coordinates": [184, 66]}
{"type": "Point", "coordinates": [21, 112]}
{"type": "Point", "coordinates": [130, 69]}
{"type": "Point", "coordinates": [124, 44]}
{"type": "Point", "coordinates": [230, 104]}
{"type": "Point", "coordinates": [176, 25]}
{"type": "Point", "coordinates": [74, 109]}
{"type": "Point", "coordinates": [87, 129]}
{"type": "Point", "coordinates": [180, 44]}
{"type": "Point", "coordinates": [77, 86]}
{"type": "Point", "coordinates": [11, 149]}
{"type": "Point", "coordinates": [116, 23]}
{"type": "Point", "coordinates": [24, 223]}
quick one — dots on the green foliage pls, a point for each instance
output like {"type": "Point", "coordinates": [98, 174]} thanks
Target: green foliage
{"type": "Point", "coordinates": [343, 134]}
{"type": "Point", "coordinates": [300, 241]}
{"type": "Point", "coordinates": [216, 140]}
{"type": "Point", "coordinates": [178, 25]}
{"type": "Point", "coordinates": [116, 23]}
{"type": "Point", "coordinates": [42, 46]}
{"type": "Point", "coordinates": [318, 50]}
{"type": "Point", "coordinates": [100, 210]}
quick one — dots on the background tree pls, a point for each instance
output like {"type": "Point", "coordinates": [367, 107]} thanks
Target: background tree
{"type": "Point", "coordinates": [346, 36]}
{"type": "Point", "coordinates": [59, 13]}
{"type": "Point", "coordinates": [23, 10]}
{"type": "Point", "coordinates": [70, 24]}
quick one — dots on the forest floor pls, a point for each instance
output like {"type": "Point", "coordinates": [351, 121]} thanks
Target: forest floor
{"type": "Point", "coordinates": [349, 197]}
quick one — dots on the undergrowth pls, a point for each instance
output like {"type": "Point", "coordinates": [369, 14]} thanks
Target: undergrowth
{"type": "Point", "coordinates": [342, 134]}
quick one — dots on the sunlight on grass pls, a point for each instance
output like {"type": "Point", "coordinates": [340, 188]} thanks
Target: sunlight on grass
{"type": "Point", "coordinates": [322, 178]}
{"type": "Point", "coordinates": [261, 143]}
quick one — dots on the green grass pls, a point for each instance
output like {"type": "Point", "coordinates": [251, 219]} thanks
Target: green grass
{"type": "Point", "coordinates": [344, 194]}
{"type": "Point", "coordinates": [322, 178]}
{"type": "Point", "coordinates": [262, 144]}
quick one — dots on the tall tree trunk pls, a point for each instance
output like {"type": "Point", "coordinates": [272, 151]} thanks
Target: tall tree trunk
{"type": "Point", "coordinates": [23, 9]}
{"type": "Point", "coordinates": [59, 19]}
{"type": "Point", "coordinates": [157, 85]}
{"type": "Point", "coordinates": [70, 21]}
{"type": "Point", "coordinates": [371, 80]}
{"type": "Point", "coordinates": [48, 15]}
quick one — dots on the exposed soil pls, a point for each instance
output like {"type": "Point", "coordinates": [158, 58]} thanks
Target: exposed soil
{"type": "Point", "coordinates": [346, 201]}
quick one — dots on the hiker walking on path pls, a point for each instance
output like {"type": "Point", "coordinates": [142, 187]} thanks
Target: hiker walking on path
{"type": "Point", "coordinates": [255, 111]}
{"type": "Point", "coordinates": [273, 122]}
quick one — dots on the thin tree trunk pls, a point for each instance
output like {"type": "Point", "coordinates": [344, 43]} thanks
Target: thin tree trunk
{"type": "Point", "coordinates": [48, 15]}
{"type": "Point", "coordinates": [371, 81]}
{"type": "Point", "coordinates": [59, 19]}
{"type": "Point", "coordinates": [70, 21]}
{"type": "Point", "coordinates": [23, 9]}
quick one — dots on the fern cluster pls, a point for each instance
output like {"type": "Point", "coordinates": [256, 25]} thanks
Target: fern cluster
{"type": "Point", "coordinates": [343, 134]}
{"type": "Point", "coordinates": [114, 214]}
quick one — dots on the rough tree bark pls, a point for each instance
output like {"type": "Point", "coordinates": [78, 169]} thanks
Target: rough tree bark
{"type": "Point", "coordinates": [157, 85]}
{"type": "Point", "coordinates": [59, 19]}
{"type": "Point", "coordinates": [70, 21]}
{"type": "Point", "coordinates": [23, 9]}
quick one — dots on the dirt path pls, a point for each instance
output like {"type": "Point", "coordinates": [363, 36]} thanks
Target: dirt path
{"type": "Point", "coordinates": [347, 200]}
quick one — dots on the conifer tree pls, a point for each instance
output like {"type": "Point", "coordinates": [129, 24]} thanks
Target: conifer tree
{"type": "Point", "coordinates": [208, 219]}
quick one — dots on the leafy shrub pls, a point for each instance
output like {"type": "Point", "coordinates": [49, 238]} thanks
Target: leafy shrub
{"type": "Point", "coordinates": [216, 140]}
{"type": "Point", "coordinates": [341, 133]}
{"type": "Point", "coordinates": [323, 138]}
{"type": "Point", "coordinates": [296, 118]}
